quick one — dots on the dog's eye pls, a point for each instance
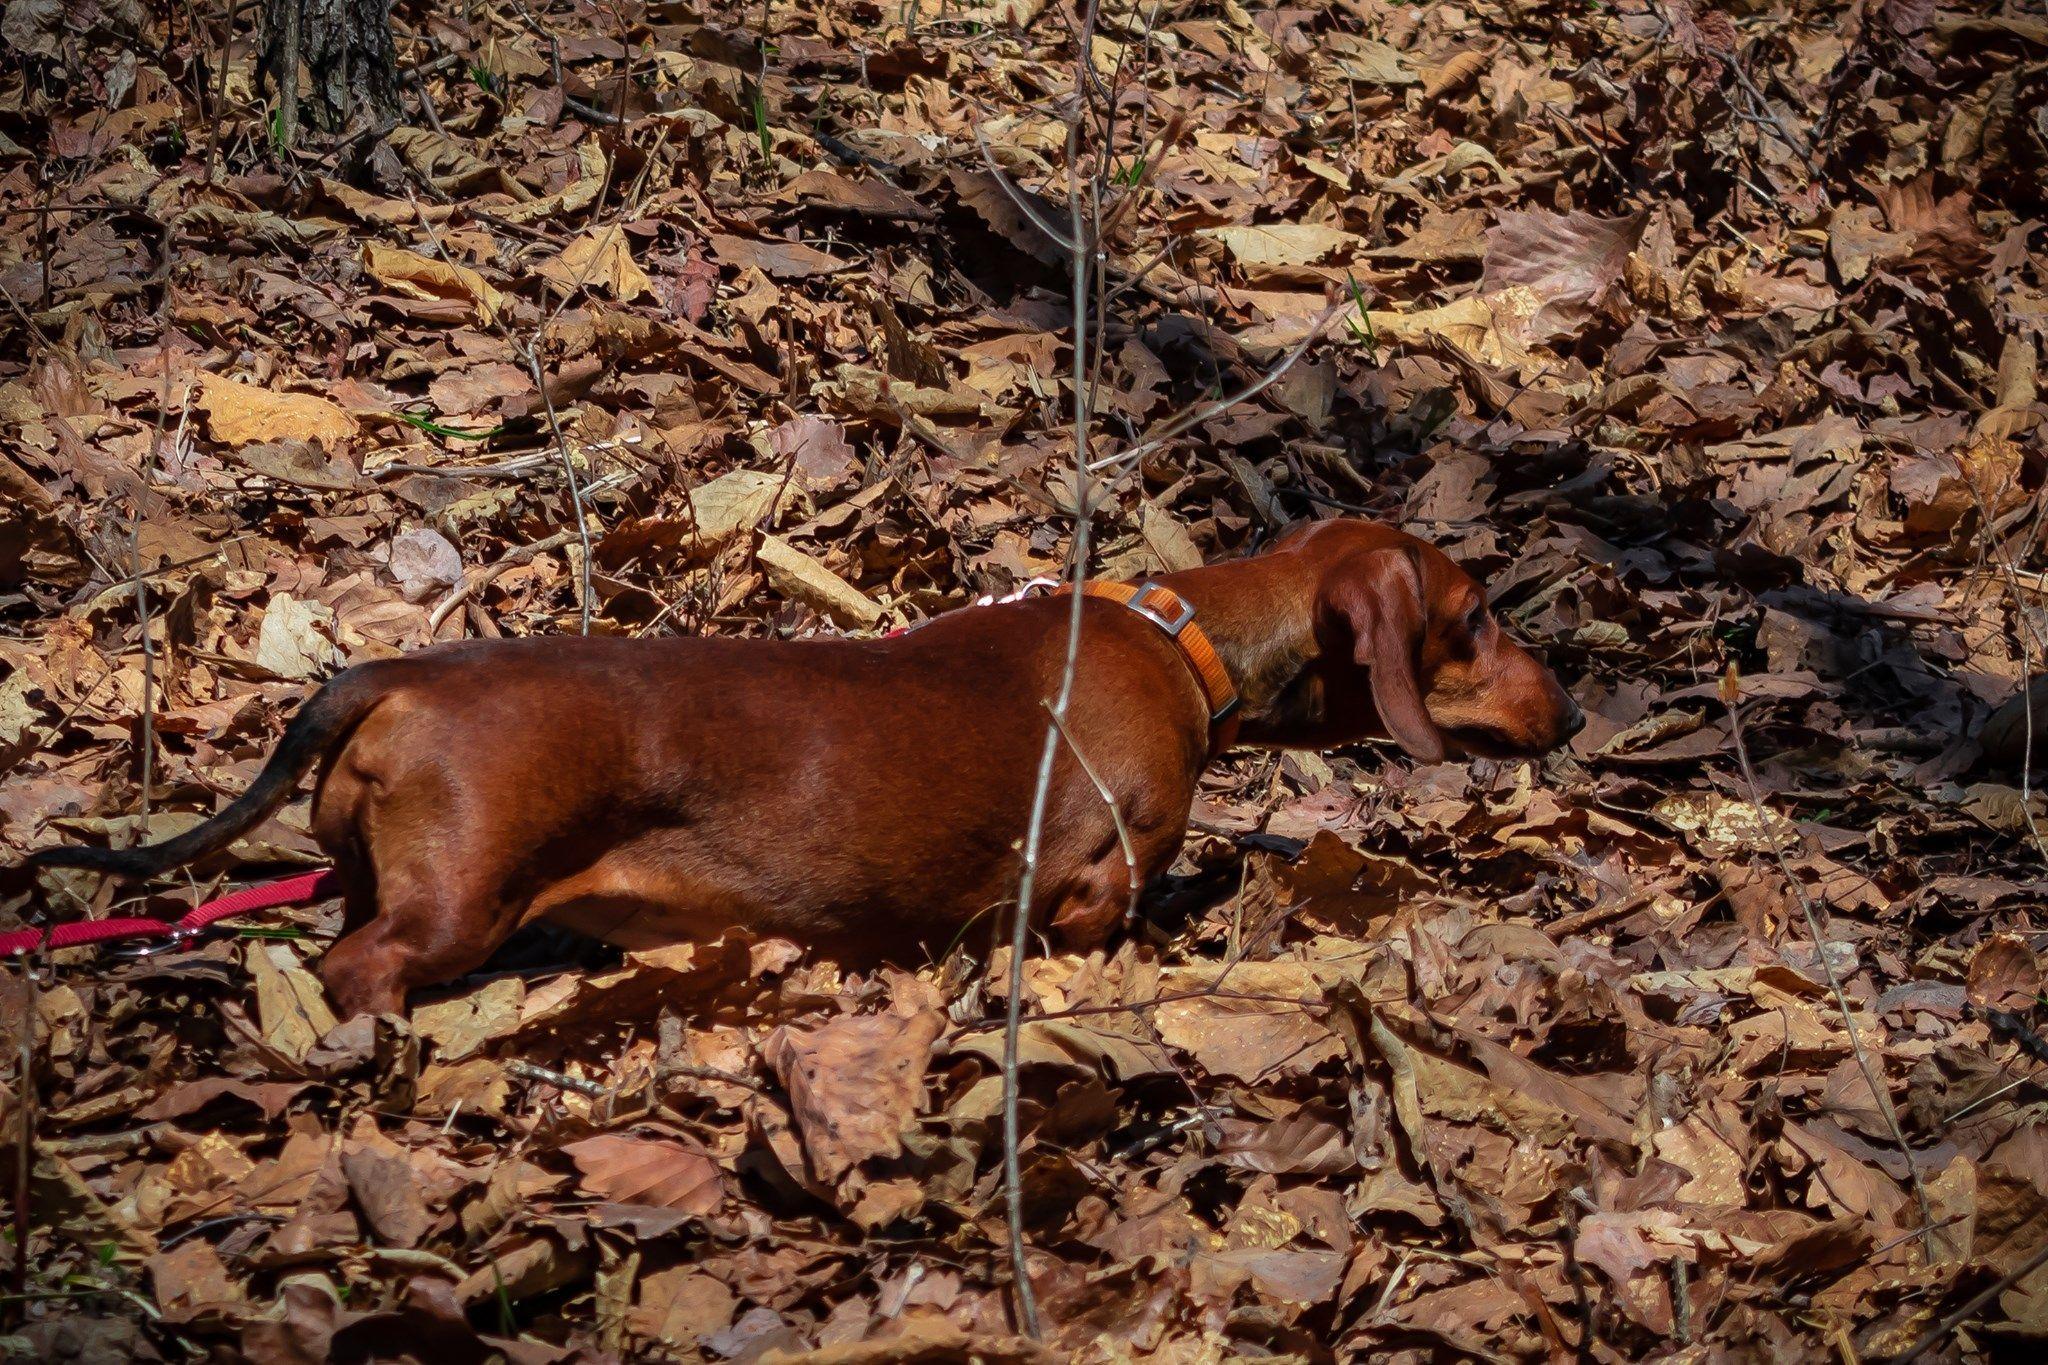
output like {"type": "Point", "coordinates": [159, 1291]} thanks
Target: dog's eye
{"type": "Point", "coordinates": [1475, 619]}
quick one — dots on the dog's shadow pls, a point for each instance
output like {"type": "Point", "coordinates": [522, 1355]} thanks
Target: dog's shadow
{"type": "Point", "coordinates": [1170, 903]}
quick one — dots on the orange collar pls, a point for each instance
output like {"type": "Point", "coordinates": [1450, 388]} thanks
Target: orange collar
{"type": "Point", "coordinates": [1175, 615]}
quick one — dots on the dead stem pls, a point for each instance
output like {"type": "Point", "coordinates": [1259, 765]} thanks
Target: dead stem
{"type": "Point", "coordinates": [1116, 815]}
{"type": "Point", "coordinates": [1731, 698]}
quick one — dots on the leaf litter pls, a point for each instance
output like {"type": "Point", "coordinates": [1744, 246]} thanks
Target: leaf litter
{"type": "Point", "coordinates": [1709, 340]}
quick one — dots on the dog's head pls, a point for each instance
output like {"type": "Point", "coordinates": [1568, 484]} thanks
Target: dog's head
{"type": "Point", "coordinates": [1398, 623]}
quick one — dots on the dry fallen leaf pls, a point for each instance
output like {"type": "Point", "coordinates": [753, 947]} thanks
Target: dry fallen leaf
{"type": "Point", "coordinates": [243, 414]}
{"type": "Point", "coordinates": [641, 1170]}
{"type": "Point", "coordinates": [290, 1004]}
{"type": "Point", "coordinates": [424, 563]}
{"type": "Point", "coordinates": [1282, 243]}
{"type": "Point", "coordinates": [601, 259]}
{"type": "Point", "coordinates": [432, 279]}
{"type": "Point", "coordinates": [797, 575]}
{"type": "Point", "coordinates": [294, 640]}
{"type": "Point", "coordinates": [854, 1083]}
{"type": "Point", "coordinates": [784, 260]}
{"type": "Point", "coordinates": [2005, 974]}
{"type": "Point", "coordinates": [1570, 261]}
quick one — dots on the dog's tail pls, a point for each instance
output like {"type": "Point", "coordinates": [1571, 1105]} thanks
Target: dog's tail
{"type": "Point", "coordinates": [330, 715]}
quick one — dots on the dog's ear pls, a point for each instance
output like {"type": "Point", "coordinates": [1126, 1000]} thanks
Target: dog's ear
{"type": "Point", "coordinates": [1378, 595]}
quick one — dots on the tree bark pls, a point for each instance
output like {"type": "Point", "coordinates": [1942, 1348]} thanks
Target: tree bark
{"type": "Point", "coordinates": [344, 52]}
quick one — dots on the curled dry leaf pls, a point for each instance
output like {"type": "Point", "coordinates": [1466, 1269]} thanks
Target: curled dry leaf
{"type": "Point", "coordinates": [854, 1084]}
{"type": "Point", "coordinates": [432, 279]}
{"type": "Point", "coordinates": [295, 639]}
{"type": "Point", "coordinates": [599, 259]}
{"type": "Point", "coordinates": [1266, 244]}
{"type": "Point", "coordinates": [290, 1004]}
{"type": "Point", "coordinates": [797, 575]}
{"type": "Point", "coordinates": [424, 563]}
{"type": "Point", "coordinates": [2005, 974]}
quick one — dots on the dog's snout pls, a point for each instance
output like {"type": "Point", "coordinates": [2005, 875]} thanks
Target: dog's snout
{"type": "Point", "coordinates": [1574, 718]}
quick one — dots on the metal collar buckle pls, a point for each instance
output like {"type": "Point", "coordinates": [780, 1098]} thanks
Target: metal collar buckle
{"type": "Point", "coordinates": [1172, 626]}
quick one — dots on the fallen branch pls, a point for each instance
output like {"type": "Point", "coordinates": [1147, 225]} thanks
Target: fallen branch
{"type": "Point", "coordinates": [127, 1140]}
{"type": "Point", "coordinates": [597, 1090]}
{"type": "Point", "coordinates": [1129, 458]}
{"type": "Point", "coordinates": [527, 1071]}
{"type": "Point", "coordinates": [473, 582]}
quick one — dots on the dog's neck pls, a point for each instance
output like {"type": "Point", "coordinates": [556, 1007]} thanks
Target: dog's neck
{"type": "Point", "coordinates": [1260, 615]}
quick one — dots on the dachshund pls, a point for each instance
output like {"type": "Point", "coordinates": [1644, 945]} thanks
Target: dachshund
{"type": "Point", "coordinates": [867, 797]}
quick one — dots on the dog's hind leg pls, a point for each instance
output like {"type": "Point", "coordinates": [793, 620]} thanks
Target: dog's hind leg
{"type": "Point", "coordinates": [425, 885]}
{"type": "Point", "coordinates": [1095, 903]}
{"type": "Point", "coordinates": [424, 931]}
{"type": "Point", "coordinates": [422, 907]}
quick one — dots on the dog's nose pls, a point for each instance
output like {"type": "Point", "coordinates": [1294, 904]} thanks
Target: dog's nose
{"type": "Point", "coordinates": [1574, 719]}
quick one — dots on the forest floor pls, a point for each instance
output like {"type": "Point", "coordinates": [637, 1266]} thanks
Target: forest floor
{"type": "Point", "coordinates": [1709, 342]}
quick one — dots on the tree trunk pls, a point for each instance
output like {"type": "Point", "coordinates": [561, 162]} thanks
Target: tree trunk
{"type": "Point", "coordinates": [348, 59]}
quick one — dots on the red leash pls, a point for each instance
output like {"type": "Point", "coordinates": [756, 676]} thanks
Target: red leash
{"type": "Point", "coordinates": [306, 887]}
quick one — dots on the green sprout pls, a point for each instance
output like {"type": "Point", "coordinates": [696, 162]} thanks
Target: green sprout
{"type": "Point", "coordinates": [428, 425]}
{"type": "Point", "coordinates": [1365, 334]}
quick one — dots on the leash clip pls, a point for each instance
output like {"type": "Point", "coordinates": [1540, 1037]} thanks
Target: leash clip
{"type": "Point", "coordinates": [137, 952]}
{"type": "Point", "coordinates": [1172, 626]}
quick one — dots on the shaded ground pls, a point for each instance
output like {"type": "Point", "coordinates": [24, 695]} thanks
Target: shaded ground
{"type": "Point", "coordinates": [1710, 340]}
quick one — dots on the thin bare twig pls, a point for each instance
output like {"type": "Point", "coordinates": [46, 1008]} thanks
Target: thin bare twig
{"type": "Point", "coordinates": [1213, 991]}
{"type": "Point", "coordinates": [1953, 1119]}
{"type": "Point", "coordinates": [1128, 459]}
{"type": "Point", "coordinates": [530, 352]}
{"type": "Point", "coordinates": [1116, 815]}
{"type": "Point", "coordinates": [93, 1144]}
{"type": "Point", "coordinates": [1731, 698]}
{"type": "Point", "coordinates": [482, 578]}
{"type": "Point", "coordinates": [598, 1090]}
{"type": "Point", "coordinates": [1933, 1335]}
{"type": "Point", "coordinates": [25, 1133]}
{"type": "Point", "coordinates": [1089, 269]}
{"type": "Point", "coordinates": [1010, 188]}
{"type": "Point", "coordinates": [146, 721]}
{"type": "Point", "coordinates": [547, 400]}
{"type": "Point", "coordinates": [589, 113]}
{"type": "Point", "coordinates": [527, 1071]}
{"type": "Point", "coordinates": [1081, 249]}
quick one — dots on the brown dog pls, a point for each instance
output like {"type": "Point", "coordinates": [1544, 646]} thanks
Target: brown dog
{"type": "Point", "coordinates": [863, 796]}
